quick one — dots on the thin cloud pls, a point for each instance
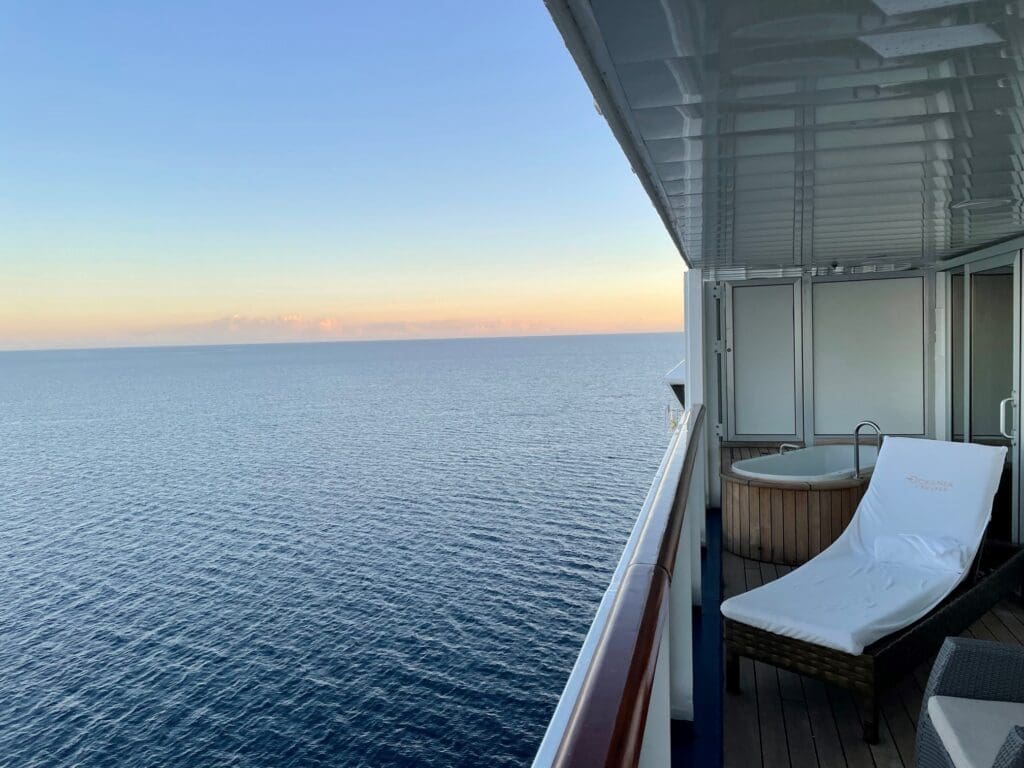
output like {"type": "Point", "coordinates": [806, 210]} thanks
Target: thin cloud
{"type": "Point", "coordinates": [295, 327]}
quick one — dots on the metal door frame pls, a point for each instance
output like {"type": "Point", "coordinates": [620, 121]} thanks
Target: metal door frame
{"type": "Point", "coordinates": [798, 373]}
{"type": "Point", "coordinates": [1009, 259]}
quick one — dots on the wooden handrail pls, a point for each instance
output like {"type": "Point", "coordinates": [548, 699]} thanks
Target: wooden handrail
{"type": "Point", "coordinates": [608, 721]}
{"type": "Point", "coordinates": [607, 724]}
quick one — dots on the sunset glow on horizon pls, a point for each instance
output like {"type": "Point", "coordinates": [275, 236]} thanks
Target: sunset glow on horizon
{"type": "Point", "coordinates": [187, 174]}
{"type": "Point", "coordinates": [645, 304]}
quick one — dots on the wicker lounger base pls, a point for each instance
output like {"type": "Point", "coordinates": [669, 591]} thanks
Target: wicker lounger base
{"type": "Point", "coordinates": [888, 660]}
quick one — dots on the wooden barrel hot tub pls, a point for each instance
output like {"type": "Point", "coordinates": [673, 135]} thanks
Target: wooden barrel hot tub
{"type": "Point", "coordinates": [785, 522]}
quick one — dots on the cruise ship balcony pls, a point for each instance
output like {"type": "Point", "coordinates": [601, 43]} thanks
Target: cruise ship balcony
{"type": "Point", "coordinates": [844, 180]}
{"type": "Point", "coordinates": [626, 704]}
{"type": "Point", "coordinates": [783, 719]}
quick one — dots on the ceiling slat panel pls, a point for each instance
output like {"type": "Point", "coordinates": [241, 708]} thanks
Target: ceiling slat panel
{"type": "Point", "coordinates": [817, 131]}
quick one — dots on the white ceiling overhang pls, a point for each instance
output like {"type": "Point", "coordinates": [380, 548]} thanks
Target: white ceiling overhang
{"type": "Point", "coordinates": [802, 134]}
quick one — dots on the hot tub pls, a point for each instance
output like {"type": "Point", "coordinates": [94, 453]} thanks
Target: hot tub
{"type": "Point", "coordinates": [786, 508]}
{"type": "Point", "coordinates": [818, 464]}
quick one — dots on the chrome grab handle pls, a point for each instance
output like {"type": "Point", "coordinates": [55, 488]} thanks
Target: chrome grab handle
{"type": "Point", "coordinates": [856, 444]}
{"type": "Point", "coordinates": [1002, 416]}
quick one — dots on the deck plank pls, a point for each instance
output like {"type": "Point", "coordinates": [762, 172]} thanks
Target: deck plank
{"type": "Point", "coordinates": [774, 747]}
{"type": "Point", "coordinates": [902, 728]}
{"type": "Point", "coordinates": [844, 709]}
{"type": "Point", "coordinates": [743, 747]}
{"type": "Point", "coordinates": [997, 629]}
{"type": "Point", "coordinates": [910, 694]}
{"type": "Point", "coordinates": [1015, 606]}
{"type": "Point", "coordinates": [980, 631]}
{"type": "Point", "coordinates": [1011, 620]}
{"type": "Point", "coordinates": [733, 576]}
{"type": "Point", "coordinates": [823, 724]}
{"type": "Point", "coordinates": [884, 752]}
{"type": "Point", "coordinates": [799, 734]}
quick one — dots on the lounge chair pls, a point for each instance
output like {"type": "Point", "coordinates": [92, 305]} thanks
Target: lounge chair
{"type": "Point", "coordinates": [973, 708]}
{"type": "Point", "coordinates": [908, 571]}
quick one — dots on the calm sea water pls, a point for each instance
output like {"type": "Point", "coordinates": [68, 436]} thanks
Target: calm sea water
{"type": "Point", "coordinates": [337, 554]}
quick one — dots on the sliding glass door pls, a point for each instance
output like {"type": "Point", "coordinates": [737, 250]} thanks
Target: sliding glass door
{"type": "Point", "coordinates": [984, 330]}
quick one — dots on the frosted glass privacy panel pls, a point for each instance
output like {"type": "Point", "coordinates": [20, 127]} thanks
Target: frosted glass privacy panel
{"type": "Point", "coordinates": [869, 355]}
{"type": "Point", "coordinates": [764, 363]}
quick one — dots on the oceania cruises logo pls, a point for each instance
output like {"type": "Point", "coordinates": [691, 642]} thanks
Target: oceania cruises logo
{"type": "Point", "coordinates": [930, 485]}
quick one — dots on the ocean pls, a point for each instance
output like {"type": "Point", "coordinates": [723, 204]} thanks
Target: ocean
{"type": "Point", "coordinates": [353, 554]}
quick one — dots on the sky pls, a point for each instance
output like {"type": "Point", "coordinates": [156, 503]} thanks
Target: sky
{"type": "Point", "coordinates": [191, 172]}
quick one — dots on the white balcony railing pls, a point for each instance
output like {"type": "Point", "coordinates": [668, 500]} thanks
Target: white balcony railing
{"type": "Point", "coordinates": [634, 673]}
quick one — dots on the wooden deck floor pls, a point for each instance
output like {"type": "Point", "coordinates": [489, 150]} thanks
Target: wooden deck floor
{"type": "Point", "coordinates": [786, 720]}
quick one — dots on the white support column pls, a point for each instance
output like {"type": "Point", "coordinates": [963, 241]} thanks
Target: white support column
{"type": "Point", "coordinates": [941, 367]}
{"type": "Point", "coordinates": [680, 618]}
{"type": "Point", "coordinates": [965, 392]}
{"type": "Point", "coordinates": [656, 750]}
{"type": "Point", "coordinates": [693, 326]}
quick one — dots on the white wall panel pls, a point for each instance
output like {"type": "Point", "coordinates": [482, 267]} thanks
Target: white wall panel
{"type": "Point", "coordinates": [764, 360]}
{"type": "Point", "coordinates": [869, 339]}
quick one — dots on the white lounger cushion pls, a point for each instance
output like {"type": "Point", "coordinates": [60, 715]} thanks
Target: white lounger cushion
{"type": "Point", "coordinates": [929, 488]}
{"type": "Point", "coordinates": [973, 730]}
{"type": "Point", "coordinates": [926, 508]}
{"type": "Point", "coordinates": [928, 551]}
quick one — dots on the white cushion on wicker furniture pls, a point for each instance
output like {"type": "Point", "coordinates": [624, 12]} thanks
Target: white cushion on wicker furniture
{"type": "Point", "coordinates": [973, 730]}
{"type": "Point", "coordinates": [932, 496]}
{"type": "Point", "coordinates": [925, 551]}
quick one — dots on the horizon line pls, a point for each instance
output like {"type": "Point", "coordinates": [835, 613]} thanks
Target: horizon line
{"type": "Point", "coordinates": [200, 345]}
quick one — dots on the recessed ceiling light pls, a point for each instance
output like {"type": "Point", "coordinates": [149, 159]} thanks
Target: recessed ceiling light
{"type": "Point", "coordinates": [796, 66]}
{"type": "Point", "coordinates": [981, 202]}
{"type": "Point", "coordinates": [893, 45]}
{"type": "Point", "coordinates": [810, 26]}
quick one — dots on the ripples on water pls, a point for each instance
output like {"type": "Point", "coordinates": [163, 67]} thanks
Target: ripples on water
{"type": "Point", "coordinates": [344, 554]}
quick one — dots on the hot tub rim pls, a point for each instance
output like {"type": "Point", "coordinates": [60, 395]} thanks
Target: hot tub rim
{"type": "Point", "coordinates": [801, 485]}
